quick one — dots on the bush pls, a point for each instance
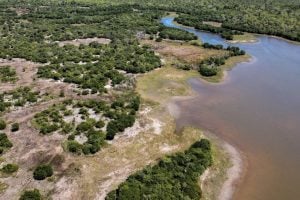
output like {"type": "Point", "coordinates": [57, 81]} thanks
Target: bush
{"type": "Point", "coordinates": [74, 146]}
{"type": "Point", "coordinates": [4, 141]}
{"type": "Point", "coordinates": [99, 124]}
{"type": "Point", "coordinates": [208, 71]}
{"type": "Point", "coordinates": [10, 168]}
{"type": "Point", "coordinates": [42, 172]}
{"type": "Point", "coordinates": [14, 127]}
{"type": "Point", "coordinates": [159, 39]}
{"type": "Point", "coordinates": [31, 195]}
{"type": "Point", "coordinates": [203, 144]}
{"type": "Point", "coordinates": [2, 124]}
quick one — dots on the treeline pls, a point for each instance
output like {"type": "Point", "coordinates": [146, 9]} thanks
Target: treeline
{"type": "Point", "coordinates": [176, 34]}
{"type": "Point", "coordinates": [174, 177]}
{"type": "Point", "coordinates": [277, 17]}
{"type": "Point", "coordinates": [197, 22]}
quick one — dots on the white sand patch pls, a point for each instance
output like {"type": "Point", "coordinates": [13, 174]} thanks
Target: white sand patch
{"type": "Point", "coordinates": [108, 87]}
{"type": "Point", "coordinates": [204, 177]}
{"type": "Point", "coordinates": [233, 173]}
{"type": "Point", "coordinates": [118, 176]}
{"type": "Point", "coordinates": [167, 148]}
{"type": "Point", "coordinates": [156, 126]}
{"type": "Point", "coordinates": [134, 130]}
{"type": "Point", "coordinates": [85, 41]}
{"type": "Point", "coordinates": [81, 138]}
{"type": "Point", "coordinates": [64, 189]}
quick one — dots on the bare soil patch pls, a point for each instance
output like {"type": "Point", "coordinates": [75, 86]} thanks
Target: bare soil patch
{"type": "Point", "coordinates": [212, 23]}
{"type": "Point", "coordinates": [184, 52]}
{"type": "Point", "coordinates": [86, 41]}
{"type": "Point", "coordinates": [26, 71]}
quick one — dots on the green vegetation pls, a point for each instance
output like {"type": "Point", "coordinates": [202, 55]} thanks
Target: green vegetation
{"type": "Point", "coordinates": [42, 172]}
{"type": "Point", "coordinates": [18, 98]}
{"type": "Point", "coordinates": [5, 143]}
{"type": "Point", "coordinates": [193, 21]}
{"type": "Point", "coordinates": [9, 168]}
{"type": "Point", "coordinates": [209, 67]}
{"type": "Point", "coordinates": [88, 117]}
{"type": "Point", "coordinates": [174, 177]}
{"type": "Point", "coordinates": [31, 195]}
{"type": "Point", "coordinates": [14, 127]}
{"type": "Point", "coordinates": [109, 59]}
{"type": "Point", "coordinates": [176, 34]}
{"type": "Point", "coordinates": [2, 124]}
{"type": "Point", "coordinates": [89, 66]}
{"type": "Point", "coordinates": [7, 74]}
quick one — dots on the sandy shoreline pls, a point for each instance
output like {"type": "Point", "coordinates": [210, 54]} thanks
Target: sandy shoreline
{"type": "Point", "coordinates": [233, 173]}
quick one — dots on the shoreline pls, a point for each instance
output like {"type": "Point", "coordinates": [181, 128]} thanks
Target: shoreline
{"type": "Point", "coordinates": [234, 172]}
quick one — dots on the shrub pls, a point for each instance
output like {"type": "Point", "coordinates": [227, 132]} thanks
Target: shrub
{"type": "Point", "coordinates": [203, 144]}
{"type": "Point", "coordinates": [99, 124]}
{"type": "Point", "coordinates": [42, 172]}
{"type": "Point", "coordinates": [74, 146]}
{"type": "Point", "coordinates": [2, 124]}
{"type": "Point", "coordinates": [14, 127]}
{"type": "Point", "coordinates": [4, 141]}
{"type": "Point", "coordinates": [10, 168]}
{"type": "Point", "coordinates": [71, 137]}
{"type": "Point", "coordinates": [208, 71]}
{"type": "Point", "coordinates": [159, 39]}
{"type": "Point", "coordinates": [31, 195]}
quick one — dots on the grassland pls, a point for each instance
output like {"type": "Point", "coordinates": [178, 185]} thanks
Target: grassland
{"type": "Point", "coordinates": [245, 38]}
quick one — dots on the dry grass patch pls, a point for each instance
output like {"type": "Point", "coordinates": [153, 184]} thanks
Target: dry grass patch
{"type": "Point", "coordinates": [245, 38]}
{"type": "Point", "coordinates": [86, 41]}
{"type": "Point", "coordinates": [212, 23]}
{"type": "Point", "coordinates": [181, 51]}
{"type": "Point", "coordinates": [162, 84]}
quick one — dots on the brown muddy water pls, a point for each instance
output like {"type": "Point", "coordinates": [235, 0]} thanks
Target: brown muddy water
{"type": "Point", "coordinates": [257, 110]}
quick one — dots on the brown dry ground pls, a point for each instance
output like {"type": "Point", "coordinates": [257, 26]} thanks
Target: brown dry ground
{"type": "Point", "coordinates": [86, 41]}
{"type": "Point", "coordinates": [212, 23]}
{"type": "Point", "coordinates": [182, 51]}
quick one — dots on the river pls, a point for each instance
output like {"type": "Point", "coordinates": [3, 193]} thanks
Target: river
{"type": "Point", "coordinates": [257, 110]}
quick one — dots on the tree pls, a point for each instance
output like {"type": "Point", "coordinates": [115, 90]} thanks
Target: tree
{"type": "Point", "coordinates": [74, 146]}
{"type": "Point", "coordinates": [31, 195]}
{"type": "Point", "coordinates": [14, 127]}
{"type": "Point", "coordinates": [2, 124]}
{"type": "Point", "coordinates": [42, 172]}
{"type": "Point", "coordinates": [10, 168]}
{"type": "Point", "coordinates": [4, 141]}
